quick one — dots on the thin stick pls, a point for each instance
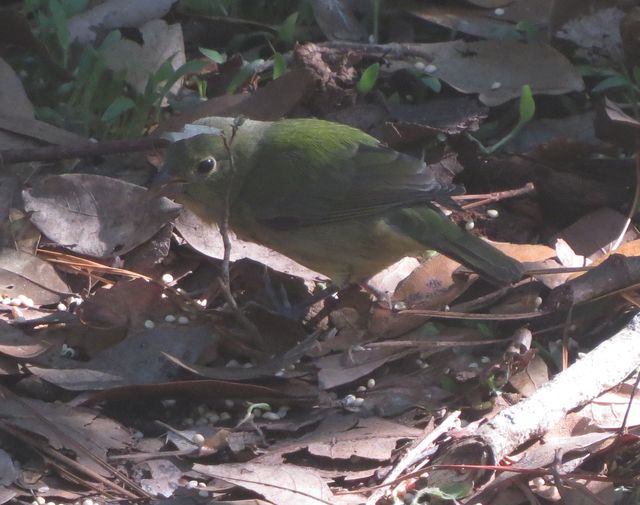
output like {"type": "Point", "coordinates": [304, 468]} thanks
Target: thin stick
{"type": "Point", "coordinates": [225, 278]}
{"type": "Point", "coordinates": [494, 197]}
{"type": "Point", "coordinates": [85, 150]}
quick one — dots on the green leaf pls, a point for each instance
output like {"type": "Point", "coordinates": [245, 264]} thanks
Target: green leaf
{"type": "Point", "coordinates": [279, 66]}
{"type": "Point", "coordinates": [213, 55]}
{"type": "Point", "coordinates": [368, 79]}
{"type": "Point", "coordinates": [60, 26]}
{"type": "Point", "coordinates": [590, 70]}
{"type": "Point", "coordinates": [636, 74]}
{"type": "Point", "coordinates": [118, 107]}
{"type": "Point", "coordinates": [190, 67]}
{"type": "Point", "coordinates": [164, 73]}
{"type": "Point", "coordinates": [527, 104]}
{"type": "Point", "coordinates": [616, 81]}
{"type": "Point", "coordinates": [453, 491]}
{"type": "Point", "coordinates": [433, 83]}
{"type": "Point", "coordinates": [287, 30]}
{"type": "Point", "coordinates": [243, 75]}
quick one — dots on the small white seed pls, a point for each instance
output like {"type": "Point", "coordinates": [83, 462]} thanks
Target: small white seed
{"type": "Point", "coordinates": [499, 11]}
{"type": "Point", "coordinates": [183, 320]}
{"type": "Point", "coordinates": [469, 225]}
{"type": "Point", "coordinates": [496, 85]}
{"type": "Point", "coordinates": [371, 383]}
{"type": "Point", "coordinates": [192, 484]}
{"type": "Point", "coordinates": [198, 439]}
{"type": "Point", "coordinates": [492, 213]}
{"type": "Point", "coordinates": [170, 318]}
{"type": "Point", "coordinates": [271, 416]}
{"type": "Point", "coordinates": [167, 278]}
{"type": "Point", "coordinates": [430, 69]}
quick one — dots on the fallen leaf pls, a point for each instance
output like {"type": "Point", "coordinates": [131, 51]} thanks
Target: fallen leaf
{"type": "Point", "coordinates": [113, 14]}
{"type": "Point", "coordinates": [24, 274]}
{"type": "Point", "coordinates": [95, 215]}
{"type": "Point", "coordinates": [281, 484]}
{"type": "Point", "coordinates": [161, 42]}
{"type": "Point", "coordinates": [497, 69]}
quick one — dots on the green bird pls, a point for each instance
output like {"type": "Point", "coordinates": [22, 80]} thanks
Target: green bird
{"type": "Point", "coordinates": [327, 195]}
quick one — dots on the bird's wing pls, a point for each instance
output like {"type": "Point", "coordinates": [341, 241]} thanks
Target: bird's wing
{"type": "Point", "coordinates": [341, 181]}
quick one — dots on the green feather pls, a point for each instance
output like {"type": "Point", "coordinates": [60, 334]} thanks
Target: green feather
{"type": "Point", "coordinates": [327, 195]}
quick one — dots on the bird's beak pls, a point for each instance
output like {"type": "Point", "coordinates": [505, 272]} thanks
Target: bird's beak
{"type": "Point", "coordinates": [165, 184]}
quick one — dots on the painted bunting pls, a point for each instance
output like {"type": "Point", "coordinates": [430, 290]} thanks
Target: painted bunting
{"type": "Point", "coordinates": [329, 196]}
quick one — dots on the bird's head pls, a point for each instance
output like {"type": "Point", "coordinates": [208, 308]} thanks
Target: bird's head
{"type": "Point", "coordinates": [198, 164]}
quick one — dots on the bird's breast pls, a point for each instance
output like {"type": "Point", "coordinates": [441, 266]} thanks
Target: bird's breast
{"type": "Point", "coordinates": [345, 251]}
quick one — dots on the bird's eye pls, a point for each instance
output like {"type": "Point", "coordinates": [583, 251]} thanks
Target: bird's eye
{"type": "Point", "coordinates": [206, 165]}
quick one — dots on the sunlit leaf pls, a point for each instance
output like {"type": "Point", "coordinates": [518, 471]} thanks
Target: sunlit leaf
{"type": "Point", "coordinates": [527, 104]}
{"type": "Point", "coordinates": [213, 55]}
{"type": "Point", "coordinates": [279, 65]}
{"type": "Point", "coordinates": [368, 79]}
{"type": "Point", "coordinates": [287, 30]}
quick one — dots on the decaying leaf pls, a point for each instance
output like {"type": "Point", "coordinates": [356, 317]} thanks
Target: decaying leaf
{"type": "Point", "coordinates": [96, 215]}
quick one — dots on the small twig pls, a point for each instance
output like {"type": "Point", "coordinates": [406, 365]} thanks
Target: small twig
{"type": "Point", "coordinates": [494, 197]}
{"type": "Point", "coordinates": [441, 314]}
{"type": "Point", "coordinates": [416, 453]}
{"type": "Point", "coordinates": [623, 427]}
{"type": "Point", "coordinates": [225, 278]}
{"type": "Point", "coordinates": [565, 338]}
{"type": "Point", "coordinates": [86, 150]}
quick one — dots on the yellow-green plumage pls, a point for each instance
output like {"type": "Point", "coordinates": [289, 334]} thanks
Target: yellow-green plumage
{"type": "Point", "coordinates": [328, 196]}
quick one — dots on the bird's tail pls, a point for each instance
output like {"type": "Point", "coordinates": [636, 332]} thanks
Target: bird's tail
{"type": "Point", "coordinates": [435, 231]}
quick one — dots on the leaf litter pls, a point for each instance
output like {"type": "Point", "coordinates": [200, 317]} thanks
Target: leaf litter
{"type": "Point", "coordinates": [126, 376]}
